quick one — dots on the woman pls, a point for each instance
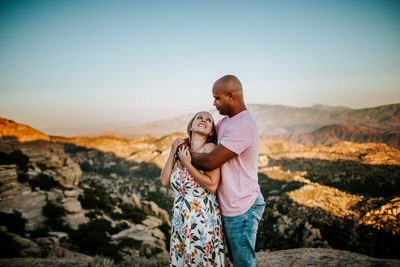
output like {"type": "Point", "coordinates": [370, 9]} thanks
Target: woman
{"type": "Point", "coordinates": [196, 236]}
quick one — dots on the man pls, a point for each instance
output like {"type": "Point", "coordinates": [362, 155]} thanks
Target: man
{"type": "Point", "coordinates": [241, 201]}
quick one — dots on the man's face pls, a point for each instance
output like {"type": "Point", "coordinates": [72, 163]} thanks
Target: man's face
{"type": "Point", "coordinates": [221, 100]}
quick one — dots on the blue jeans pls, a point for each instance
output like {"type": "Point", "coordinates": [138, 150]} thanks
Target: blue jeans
{"type": "Point", "coordinates": [241, 232]}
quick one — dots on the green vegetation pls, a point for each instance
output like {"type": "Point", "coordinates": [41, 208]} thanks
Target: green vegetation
{"type": "Point", "coordinates": [54, 213]}
{"type": "Point", "coordinates": [99, 199]}
{"type": "Point", "coordinates": [40, 232]}
{"type": "Point", "coordinates": [15, 157]}
{"type": "Point", "coordinates": [14, 222]}
{"type": "Point", "coordinates": [43, 181]}
{"type": "Point", "coordinates": [94, 238]}
{"type": "Point", "coordinates": [129, 212]}
{"type": "Point", "coordinates": [100, 261]}
{"type": "Point", "coordinates": [130, 242]}
{"type": "Point", "coordinates": [350, 176]}
{"type": "Point", "coordinates": [9, 248]}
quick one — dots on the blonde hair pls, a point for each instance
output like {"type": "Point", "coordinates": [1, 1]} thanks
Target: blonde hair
{"type": "Point", "coordinates": [210, 139]}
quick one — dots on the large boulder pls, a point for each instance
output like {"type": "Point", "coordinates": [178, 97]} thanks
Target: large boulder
{"type": "Point", "coordinates": [152, 222]}
{"type": "Point", "coordinates": [26, 247]}
{"type": "Point", "coordinates": [319, 257]}
{"type": "Point", "coordinates": [71, 205]}
{"type": "Point", "coordinates": [28, 203]}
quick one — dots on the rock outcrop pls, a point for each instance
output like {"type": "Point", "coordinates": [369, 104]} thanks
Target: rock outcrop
{"type": "Point", "coordinates": [39, 181]}
{"type": "Point", "coordinates": [21, 198]}
{"type": "Point", "coordinates": [319, 257]}
{"type": "Point", "coordinates": [16, 132]}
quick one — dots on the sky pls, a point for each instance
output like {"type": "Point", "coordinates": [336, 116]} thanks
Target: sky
{"type": "Point", "coordinates": [87, 64]}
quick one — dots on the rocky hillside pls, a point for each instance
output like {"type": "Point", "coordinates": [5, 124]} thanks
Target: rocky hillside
{"type": "Point", "coordinates": [49, 207]}
{"type": "Point", "coordinates": [341, 196]}
{"type": "Point", "coordinates": [338, 133]}
{"type": "Point", "coordinates": [312, 191]}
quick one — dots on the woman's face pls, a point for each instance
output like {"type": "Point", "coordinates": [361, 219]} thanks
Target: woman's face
{"type": "Point", "coordinates": [203, 123]}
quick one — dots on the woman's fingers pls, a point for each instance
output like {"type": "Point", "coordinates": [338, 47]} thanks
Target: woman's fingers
{"type": "Point", "coordinates": [183, 152]}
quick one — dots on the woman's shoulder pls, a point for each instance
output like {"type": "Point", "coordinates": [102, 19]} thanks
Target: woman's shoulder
{"type": "Point", "coordinates": [209, 147]}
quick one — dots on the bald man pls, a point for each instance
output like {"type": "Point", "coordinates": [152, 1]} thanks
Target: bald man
{"type": "Point", "coordinates": [241, 201]}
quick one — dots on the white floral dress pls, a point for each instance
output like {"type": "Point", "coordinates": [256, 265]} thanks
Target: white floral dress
{"type": "Point", "coordinates": [196, 237]}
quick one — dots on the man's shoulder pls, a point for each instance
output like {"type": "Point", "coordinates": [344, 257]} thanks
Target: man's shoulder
{"type": "Point", "coordinates": [222, 120]}
{"type": "Point", "coordinates": [244, 123]}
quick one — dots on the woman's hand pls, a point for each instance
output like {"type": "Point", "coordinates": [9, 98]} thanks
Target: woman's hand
{"type": "Point", "coordinates": [184, 155]}
{"type": "Point", "coordinates": [175, 144]}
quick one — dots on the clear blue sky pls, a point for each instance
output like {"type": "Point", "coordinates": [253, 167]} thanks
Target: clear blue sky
{"type": "Point", "coordinates": [85, 63]}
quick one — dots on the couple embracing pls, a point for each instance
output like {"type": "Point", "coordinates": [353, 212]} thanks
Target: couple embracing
{"type": "Point", "coordinates": [214, 171]}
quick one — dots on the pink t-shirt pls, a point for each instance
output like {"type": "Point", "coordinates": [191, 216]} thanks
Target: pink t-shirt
{"type": "Point", "coordinates": [238, 188]}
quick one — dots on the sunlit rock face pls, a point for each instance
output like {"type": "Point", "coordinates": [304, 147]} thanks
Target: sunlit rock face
{"type": "Point", "coordinates": [10, 130]}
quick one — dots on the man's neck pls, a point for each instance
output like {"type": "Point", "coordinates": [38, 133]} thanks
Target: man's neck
{"type": "Point", "coordinates": [237, 110]}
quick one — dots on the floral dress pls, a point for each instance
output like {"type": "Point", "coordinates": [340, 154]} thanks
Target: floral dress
{"type": "Point", "coordinates": [196, 236]}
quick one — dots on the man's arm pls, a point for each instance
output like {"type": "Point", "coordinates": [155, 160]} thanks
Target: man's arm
{"type": "Point", "coordinates": [212, 160]}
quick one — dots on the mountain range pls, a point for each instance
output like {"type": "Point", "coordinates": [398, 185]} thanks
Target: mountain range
{"type": "Point", "coordinates": [314, 125]}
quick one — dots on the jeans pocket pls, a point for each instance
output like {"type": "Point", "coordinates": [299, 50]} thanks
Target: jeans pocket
{"type": "Point", "coordinates": [257, 211]}
{"type": "Point", "coordinates": [256, 215]}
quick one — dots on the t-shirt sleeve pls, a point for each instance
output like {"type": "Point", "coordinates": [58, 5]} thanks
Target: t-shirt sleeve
{"type": "Point", "coordinates": [238, 138]}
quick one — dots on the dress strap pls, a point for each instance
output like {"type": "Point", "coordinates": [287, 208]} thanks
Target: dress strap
{"type": "Point", "coordinates": [202, 149]}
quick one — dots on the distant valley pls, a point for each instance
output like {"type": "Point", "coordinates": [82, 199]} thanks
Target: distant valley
{"type": "Point", "coordinates": [314, 125]}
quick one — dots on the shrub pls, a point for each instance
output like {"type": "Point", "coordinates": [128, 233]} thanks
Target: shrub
{"type": "Point", "coordinates": [43, 181]}
{"type": "Point", "coordinates": [14, 222]}
{"type": "Point", "coordinates": [130, 242]}
{"type": "Point", "coordinates": [100, 261]}
{"type": "Point", "coordinates": [20, 159]}
{"type": "Point", "coordinates": [119, 227]}
{"type": "Point", "coordinates": [40, 232]}
{"type": "Point", "coordinates": [93, 214]}
{"type": "Point", "coordinates": [54, 214]}
{"type": "Point", "coordinates": [9, 248]}
{"type": "Point", "coordinates": [129, 212]}
{"type": "Point", "coordinates": [15, 157]}
{"type": "Point", "coordinates": [98, 199]}
{"type": "Point", "coordinates": [93, 238]}
{"type": "Point", "coordinates": [166, 229]}
{"type": "Point", "coordinates": [86, 167]}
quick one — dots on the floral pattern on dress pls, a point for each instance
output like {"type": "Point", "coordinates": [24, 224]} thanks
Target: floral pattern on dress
{"type": "Point", "coordinates": [196, 236]}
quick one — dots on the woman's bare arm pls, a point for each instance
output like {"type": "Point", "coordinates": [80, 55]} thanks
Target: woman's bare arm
{"type": "Point", "coordinates": [169, 164]}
